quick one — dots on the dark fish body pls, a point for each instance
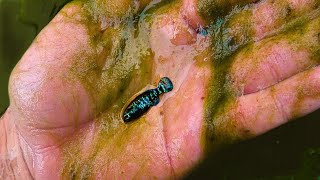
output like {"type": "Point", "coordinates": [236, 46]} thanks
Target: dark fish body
{"type": "Point", "coordinates": [144, 101]}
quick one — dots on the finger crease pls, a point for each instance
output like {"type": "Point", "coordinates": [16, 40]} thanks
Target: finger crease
{"type": "Point", "coordinates": [280, 107]}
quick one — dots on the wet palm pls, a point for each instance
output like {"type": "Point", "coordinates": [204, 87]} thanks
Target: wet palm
{"type": "Point", "coordinates": [250, 70]}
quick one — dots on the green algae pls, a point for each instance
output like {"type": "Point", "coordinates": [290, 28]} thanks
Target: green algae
{"type": "Point", "coordinates": [312, 158]}
{"type": "Point", "coordinates": [109, 143]}
{"type": "Point", "coordinates": [118, 64]}
{"type": "Point", "coordinates": [125, 75]}
{"type": "Point", "coordinates": [208, 9]}
{"type": "Point", "coordinates": [225, 40]}
{"type": "Point", "coordinates": [109, 12]}
{"type": "Point", "coordinates": [212, 9]}
{"type": "Point", "coordinates": [221, 97]}
{"type": "Point", "coordinates": [239, 26]}
{"type": "Point", "coordinates": [220, 100]}
{"type": "Point", "coordinates": [73, 168]}
{"type": "Point", "coordinates": [119, 56]}
{"type": "Point", "coordinates": [157, 7]}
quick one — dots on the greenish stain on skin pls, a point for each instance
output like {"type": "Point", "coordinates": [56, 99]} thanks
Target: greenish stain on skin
{"type": "Point", "coordinates": [304, 27]}
{"type": "Point", "coordinates": [162, 7]}
{"type": "Point", "coordinates": [122, 68]}
{"type": "Point", "coordinates": [111, 12]}
{"type": "Point", "coordinates": [303, 93]}
{"type": "Point", "coordinates": [75, 167]}
{"type": "Point", "coordinates": [125, 75]}
{"type": "Point", "coordinates": [221, 127]}
{"type": "Point", "coordinates": [113, 67]}
{"type": "Point", "coordinates": [270, 119]}
{"type": "Point", "coordinates": [225, 40]}
{"type": "Point", "coordinates": [212, 9]}
{"type": "Point", "coordinates": [208, 8]}
{"type": "Point", "coordinates": [220, 95]}
{"type": "Point", "coordinates": [220, 100]}
{"type": "Point", "coordinates": [239, 26]}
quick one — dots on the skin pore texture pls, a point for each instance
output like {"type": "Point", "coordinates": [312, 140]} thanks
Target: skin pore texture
{"type": "Point", "coordinates": [254, 68]}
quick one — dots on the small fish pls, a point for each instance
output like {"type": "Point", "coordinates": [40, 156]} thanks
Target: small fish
{"type": "Point", "coordinates": [144, 101]}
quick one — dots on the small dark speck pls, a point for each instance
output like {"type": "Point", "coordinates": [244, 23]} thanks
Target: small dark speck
{"type": "Point", "coordinates": [247, 131]}
{"type": "Point", "coordinates": [161, 113]}
{"type": "Point", "coordinates": [202, 98]}
{"type": "Point", "coordinates": [211, 138]}
{"type": "Point", "coordinates": [202, 31]}
{"type": "Point", "coordinates": [288, 10]}
{"type": "Point", "coordinates": [72, 174]}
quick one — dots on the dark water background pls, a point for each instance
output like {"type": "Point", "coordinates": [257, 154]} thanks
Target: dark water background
{"type": "Point", "coordinates": [289, 152]}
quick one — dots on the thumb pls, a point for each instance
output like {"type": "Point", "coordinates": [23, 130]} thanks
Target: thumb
{"type": "Point", "coordinates": [44, 94]}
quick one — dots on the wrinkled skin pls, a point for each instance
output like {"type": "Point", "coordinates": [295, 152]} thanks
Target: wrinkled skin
{"type": "Point", "coordinates": [67, 91]}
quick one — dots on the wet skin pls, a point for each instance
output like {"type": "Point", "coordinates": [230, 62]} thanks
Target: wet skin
{"type": "Point", "coordinates": [254, 69]}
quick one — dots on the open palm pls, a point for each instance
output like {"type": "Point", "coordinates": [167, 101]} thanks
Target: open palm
{"type": "Point", "coordinates": [250, 70]}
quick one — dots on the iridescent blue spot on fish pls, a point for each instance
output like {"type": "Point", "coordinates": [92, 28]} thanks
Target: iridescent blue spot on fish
{"type": "Point", "coordinates": [144, 101]}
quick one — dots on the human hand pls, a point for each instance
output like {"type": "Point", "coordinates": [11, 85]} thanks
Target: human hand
{"type": "Point", "coordinates": [255, 70]}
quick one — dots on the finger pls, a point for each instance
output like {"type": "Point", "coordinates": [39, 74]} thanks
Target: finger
{"type": "Point", "coordinates": [262, 111]}
{"type": "Point", "coordinates": [274, 59]}
{"type": "Point", "coordinates": [201, 12]}
{"type": "Point", "coordinates": [273, 14]}
{"type": "Point", "coordinates": [266, 17]}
